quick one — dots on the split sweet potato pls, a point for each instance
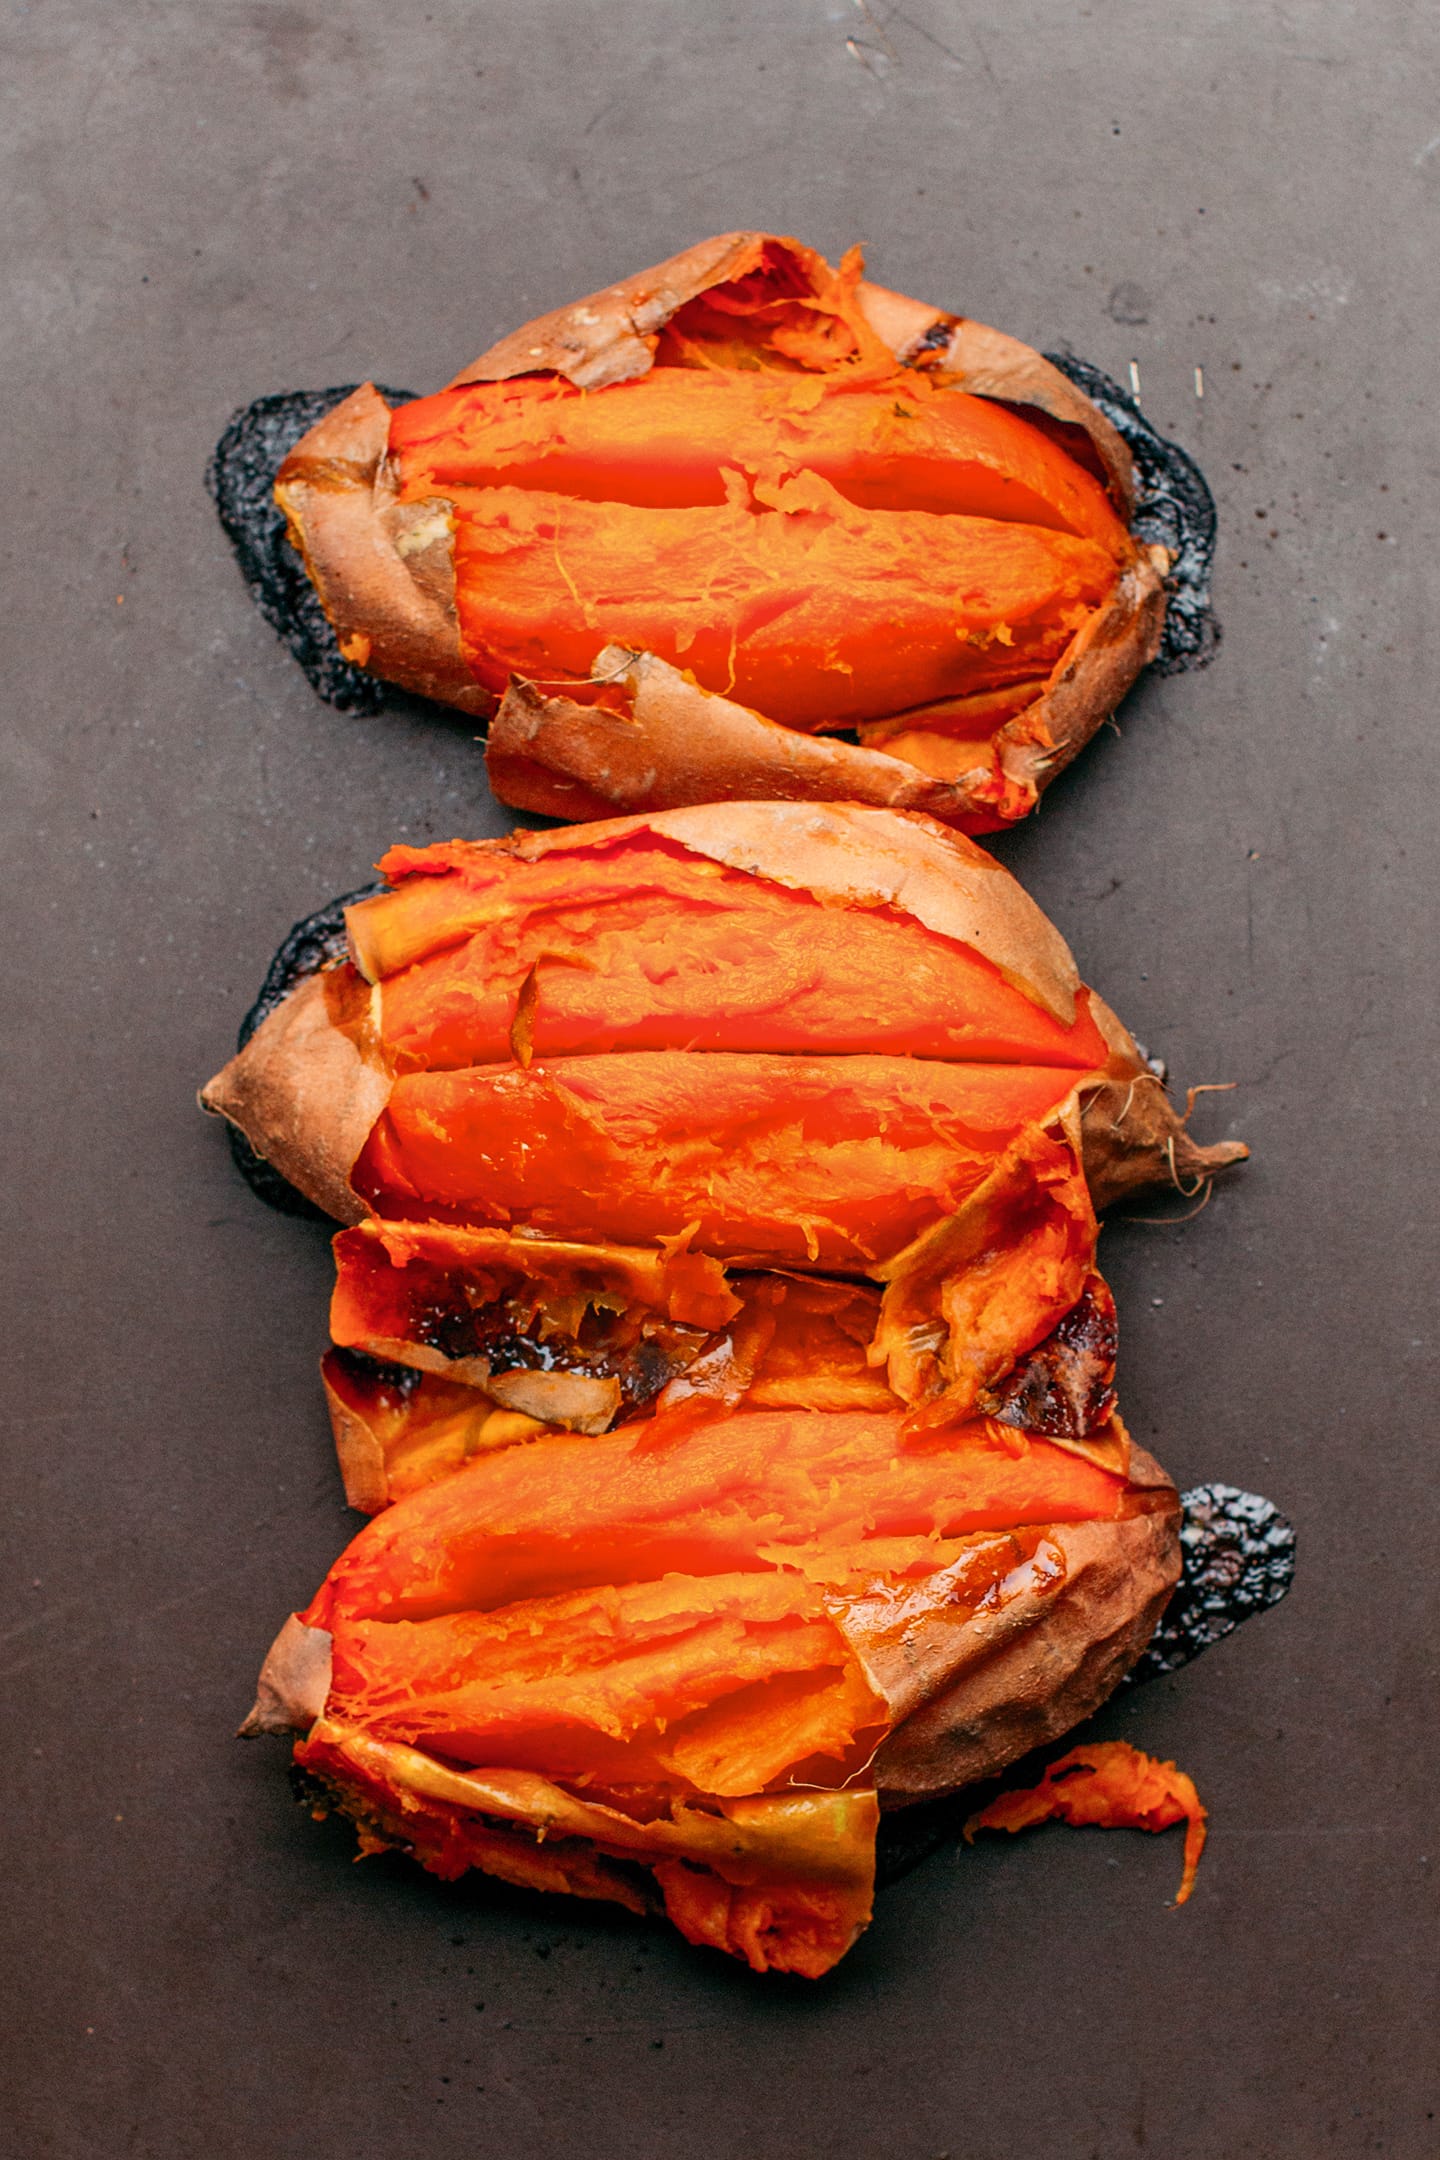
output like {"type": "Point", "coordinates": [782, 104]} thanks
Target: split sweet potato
{"type": "Point", "coordinates": [677, 537]}
{"type": "Point", "coordinates": [574, 1088]}
{"type": "Point", "coordinates": [752, 932]}
{"type": "Point", "coordinates": [683, 1665]}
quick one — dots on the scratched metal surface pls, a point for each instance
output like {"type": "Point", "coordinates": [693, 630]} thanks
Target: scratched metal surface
{"type": "Point", "coordinates": [210, 201]}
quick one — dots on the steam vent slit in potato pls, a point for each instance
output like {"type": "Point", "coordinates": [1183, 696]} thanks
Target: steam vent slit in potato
{"type": "Point", "coordinates": [744, 525]}
{"type": "Point", "coordinates": [718, 1343]}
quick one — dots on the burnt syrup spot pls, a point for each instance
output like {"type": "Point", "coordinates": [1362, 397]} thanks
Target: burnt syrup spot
{"type": "Point", "coordinates": [1174, 506]}
{"type": "Point", "coordinates": [373, 1372]}
{"type": "Point", "coordinates": [1065, 1388]}
{"type": "Point", "coordinates": [1239, 1559]}
{"type": "Point", "coordinates": [241, 480]}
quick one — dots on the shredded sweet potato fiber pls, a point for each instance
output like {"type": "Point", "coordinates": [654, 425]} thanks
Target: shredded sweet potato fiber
{"type": "Point", "coordinates": [1107, 1786]}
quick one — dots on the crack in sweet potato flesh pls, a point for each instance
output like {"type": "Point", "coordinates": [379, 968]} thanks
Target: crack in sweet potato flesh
{"type": "Point", "coordinates": [802, 523]}
{"type": "Point", "coordinates": [649, 1627]}
{"type": "Point", "coordinates": [648, 946]}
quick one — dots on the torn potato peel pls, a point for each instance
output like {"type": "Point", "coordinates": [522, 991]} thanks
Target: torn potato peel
{"type": "Point", "coordinates": [683, 532]}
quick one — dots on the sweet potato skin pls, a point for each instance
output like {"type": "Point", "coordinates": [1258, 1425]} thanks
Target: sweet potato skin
{"type": "Point", "coordinates": [309, 1096]}
{"type": "Point", "coordinates": [386, 575]}
{"type": "Point", "coordinates": [384, 570]}
{"type": "Point", "coordinates": [676, 743]}
{"type": "Point", "coordinates": [1042, 1666]}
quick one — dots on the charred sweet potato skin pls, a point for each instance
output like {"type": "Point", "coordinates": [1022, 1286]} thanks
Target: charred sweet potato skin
{"type": "Point", "coordinates": [785, 464]}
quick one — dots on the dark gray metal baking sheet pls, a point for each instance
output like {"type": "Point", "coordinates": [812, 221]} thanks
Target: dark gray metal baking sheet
{"type": "Point", "coordinates": [209, 200]}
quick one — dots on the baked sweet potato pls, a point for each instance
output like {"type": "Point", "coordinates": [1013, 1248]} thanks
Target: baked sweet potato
{"type": "Point", "coordinates": [754, 931]}
{"type": "Point", "coordinates": [576, 1091]}
{"type": "Point", "coordinates": [683, 1666]}
{"type": "Point", "coordinates": [677, 536]}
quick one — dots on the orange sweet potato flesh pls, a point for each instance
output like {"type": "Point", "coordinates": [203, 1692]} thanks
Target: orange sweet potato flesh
{"type": "Point", "coordinates": [794, 518]}
{"type": "Point", "coordinates": [838, 1163]}
{"type": "Point", "coordinates": [735, 1136]}
{"type": "Point", "coordinates": [754, 929]}
{"type": "Point", "coordinates": [623, 1640]}
{"type": "Point", "coordinates": [648, 946]}
{"type": "Point", "coordinates": [891, 439]}
{"type": "Point", "coordinates": [1108, 1785]}
{"type": "Point", "coordinates": [758, 1489]}
{"type": "Point", "coordinates": [784, 1881]}
{"type": "Point", "coordinates": [792, 602]}
{"type": "Point", "coordinates": [453, 1341]}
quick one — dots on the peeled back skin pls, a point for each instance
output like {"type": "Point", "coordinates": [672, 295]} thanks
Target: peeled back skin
{"type": "Point", "coordinates": [786, 499]}
{"type": "Point", "coordinates": [682, 1665]}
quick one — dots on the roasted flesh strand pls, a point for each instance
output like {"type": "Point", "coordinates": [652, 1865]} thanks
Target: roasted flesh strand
{"type": "Point", "coordinates": [1107, 1786]}
{"type": "Point", "coordinates": [888, 438]}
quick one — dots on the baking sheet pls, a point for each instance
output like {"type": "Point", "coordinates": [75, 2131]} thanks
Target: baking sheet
{"type": "Point", "coordinates": [211, 201]}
